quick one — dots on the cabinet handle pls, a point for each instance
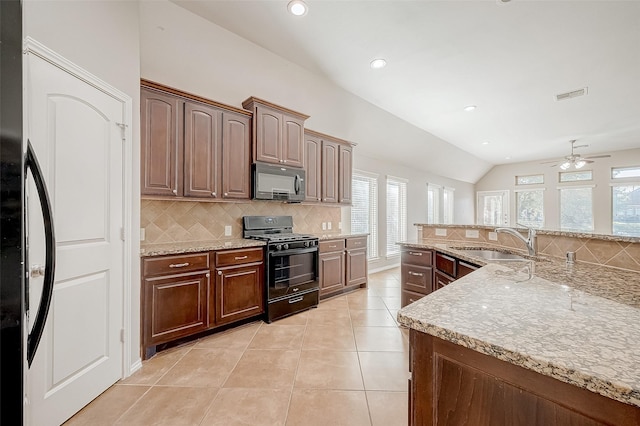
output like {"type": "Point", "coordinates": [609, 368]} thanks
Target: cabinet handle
{"type": "Point", "coordinates": [175, 192]}
{"type": "Point", "coordinates": [319, 199]}
{"type": "Point", "coordinates": [179, 265]}
{"type": "Point", "coordinates": [208, 275]}
{"type": "Point", "coordinates": [213, 194]}
{"type": "Point", "coordinates": [413, 253]}
{"type": "Point", "coordinates": [241, 257]}
{"type": "Point", "coordinates": [219, 272]}
{"type": "Point", "coordinates": [417, 274]}
{"type": "Point", "coordinates": [284, 161]}
{"type": "Point", "coordinates": [296, 299]}
{"type": "Point", "coordinates": [333, 246]}
{"type": "Point", "coordinates": [226, 194]}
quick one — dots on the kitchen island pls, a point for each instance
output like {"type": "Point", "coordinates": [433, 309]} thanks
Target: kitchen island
{"type": "Point", "coordinates": [529, 342]}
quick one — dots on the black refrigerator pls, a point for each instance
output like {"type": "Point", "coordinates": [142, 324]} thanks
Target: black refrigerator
{"type": "Point", "coordinates": [17, 163]}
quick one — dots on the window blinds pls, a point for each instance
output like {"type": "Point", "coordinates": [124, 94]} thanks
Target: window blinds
{"type": "Point", "coordinates": [396, 214]}
{"type": "Point", "coordinates": [364, 209]}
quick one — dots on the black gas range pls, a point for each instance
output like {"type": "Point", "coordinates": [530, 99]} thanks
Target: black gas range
{"type": "Point", "coordinates": [291, 265]}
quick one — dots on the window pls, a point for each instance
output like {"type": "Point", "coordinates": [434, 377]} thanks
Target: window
{"type": "Point", "coordinates": [576, 211]}
{"type": "Point", "coordinates": [529, 180]}
{"type": "Point", "coordinates": [447, 201]}
{"type": "Point", "coordinates": [364, 209]}
{"type": "Point", "coordinates": [396, 214]}
{"type": "Point", "coordinates": [576, 176]}
{"type": "Point", "coordinates": [493, 208]}
{"type": "Point", "coordinates": [626, 210]}
{"type": "Point", "coordinates": [530, 208]}
{"type": "Point", "coordinates": [433, 203]}
{"type": "Point", "coordinates": [625, 172]}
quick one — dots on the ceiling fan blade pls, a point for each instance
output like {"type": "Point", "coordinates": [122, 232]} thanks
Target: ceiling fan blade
{"type": "Point", "coordinates": [549, 162]}
{"type": "Point", "coordinates": [598, 156]}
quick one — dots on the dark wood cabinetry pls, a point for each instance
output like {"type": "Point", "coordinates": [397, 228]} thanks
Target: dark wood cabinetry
{"type": "Point", "coordinates": [192, 147]}
{"type": "Point", "coordinates": [356, 268]}
{"type": "Point", "coordinates": [449, 269]}
{"type": "Point", "coordinates": [278, 135]}
{"type": "Point", "coordinates": [189, 293]}
{"type": "Point", "coordinates": [453, 385]}
{"type": "Point", "coordinates": [329, 168]}
{"type": "Point", "coordinates": [342, 265]}
{"type": "Point", "coordinates": [160, 144]}
{"type": "Point", "coordinates": [416, 271]}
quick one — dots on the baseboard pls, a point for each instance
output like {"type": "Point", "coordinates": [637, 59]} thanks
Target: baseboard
{"type": "Point", "coordinates": [383, 268]}
{"type": "Point", "coordinates": [135, 367]}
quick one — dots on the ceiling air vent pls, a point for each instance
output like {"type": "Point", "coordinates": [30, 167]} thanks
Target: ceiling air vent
{"type": "Point", "coordinates": [573, 94]}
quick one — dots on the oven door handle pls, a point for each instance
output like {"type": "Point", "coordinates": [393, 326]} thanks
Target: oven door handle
{"type": "Point", "coordinates": [281, 253]}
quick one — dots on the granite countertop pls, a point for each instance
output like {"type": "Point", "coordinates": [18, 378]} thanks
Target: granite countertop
{"type": "Point", "coordinates": [578, 324]}
{"type": "Point", "coordinates": [147, 250]}
{"type": "Point", "coordinates": [322, 237]}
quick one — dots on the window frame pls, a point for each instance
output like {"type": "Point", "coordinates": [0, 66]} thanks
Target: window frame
{"type": "Point", "coordinates": [624, 178]}
{"type": "Point", "coordinates": [533, 183]}
{"type": "Point", "coordinates": [434, 210]}
{"type": "Point", "coordinates": [516, 199]}
{"type": "Point", "coordinates": [626, 182]}
{"type": "Point", "coordinates": [573, 187]}
{"type": "Point", "coordinates": [448, 205]}
{"type": "Point", "coordinates": [372, 241]}
{"type": "Point", "coordinates": [560, 174]}
{"type": "Point", "coordinates": [402, 215]}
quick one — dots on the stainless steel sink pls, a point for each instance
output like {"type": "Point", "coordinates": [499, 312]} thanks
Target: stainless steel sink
{"type": "Point", "coordinates": [490, 254]}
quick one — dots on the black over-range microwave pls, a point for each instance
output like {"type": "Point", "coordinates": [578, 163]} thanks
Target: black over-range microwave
{"type": "Point", "coordinates": [273, 182]}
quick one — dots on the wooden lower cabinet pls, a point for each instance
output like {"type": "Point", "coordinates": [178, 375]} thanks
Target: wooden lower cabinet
{"type": "Point", "coordinates": [441, 280]}
{"type": "Point", "coordinates": [356, 268]}
{"type": "Point", "coordinates": [187, 294]}
{"type": "Point", "coordinates": [342, 265]}
{"type": "Point", "coordinates": [453, 385]}
{"type": "Point", "coordinates": [331, 272]}
{"type": "Point", "coordinates": [238, 293]}
{"type": "Point", "coordinates": [416, 274]}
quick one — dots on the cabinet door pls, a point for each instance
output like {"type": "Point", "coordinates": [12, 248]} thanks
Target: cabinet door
{"type": "Point", "coordinates": [441, 280]}
{"type": "Point", "coordinates": [161, 140]}
{"type": "Point", "coordinates": [239, 293]}
{"type": "Point", "coordinates": [236, 156]}
{"type": "Point", "coordinates": [345, 174]}
{"type": "Point", "coordinates": [312, 166]}
{"type": "Point", "coordinates": [330, 172]}
{"type": "Point", "coordinates": [268, 135]}
{"type": "Point", "coordinates": [356, 267]}
{"type": "Point", "coordinates": [417, 279]}
{"type": "Point", "coordinates": [202, 150]}
{"type": "Point", "coordinates": [331, 272]}
{"type": "Point", "coordinates": [292, 153]}
{"type": "Point", "coordinates": [174, 306]}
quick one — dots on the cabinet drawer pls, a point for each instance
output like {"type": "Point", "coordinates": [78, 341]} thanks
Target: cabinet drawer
{"type": "Point", "coordinates": [465, 268]}
{"type": "Point", "coordinates": [417, 278]}
{"type": "Point", "coordinates": [417, 257]}
{"type": "Point", "coordinates": [238, 257]}
{"type": "Point", "coordinates": [174, 264]}
{"type": "Point", "coordinates": [408, 297]}
{"type": "Point", "coordinates": [356, 242]}
{"type": "Point", "coordinates": [446, 264]}
{"type": "Point", "coordinates": [331, 245]}
{"type": "Point", "coordinates": [441, 280]}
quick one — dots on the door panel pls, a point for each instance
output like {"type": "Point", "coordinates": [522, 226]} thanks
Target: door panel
{"type": "Point", "coordinates": [236, 156]}
{"type": "Point", "coordinates": [73, 127]}
{"type": "Point", "coordinates": [293, 142]}
{"type": "Point", "coordinates": [202, 149]}
{"type": "Point", "coordinates": [312, 167]}
{"type": "Point", "coordinates": [493, 208]}
{"type": "Point", "coordinates": [329, 172]}
{"type": "Point", "coordinates": [269, 136]}
{"type": "Point", "coordinates": [345, 174]}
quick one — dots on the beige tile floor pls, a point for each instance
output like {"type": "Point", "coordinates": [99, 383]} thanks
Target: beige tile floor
{"type": "Point", "coordinates": [344, 363]}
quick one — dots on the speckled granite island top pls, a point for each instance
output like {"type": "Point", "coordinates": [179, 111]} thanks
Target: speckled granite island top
{"type": "Point", "coordinates": [196, 246]}
{"type": "Point", "coordinates": [578, 324]}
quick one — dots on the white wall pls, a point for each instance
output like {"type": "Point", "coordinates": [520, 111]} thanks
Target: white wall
{"type": "Point", "coordinates": [416, 200]}
{"type": "Point", "coordinates": [503, 177]}
{"type": "Point", "coordinates": [103, 38]}
{"type": "Point", "coordinates": [183, 50]}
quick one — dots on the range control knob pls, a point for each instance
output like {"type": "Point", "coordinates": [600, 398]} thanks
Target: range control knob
{"type": "Point", "coordinates": [307, 243]}
{"type": "Point", "coordinates": [279, 247]}
{"type": "Point", "coordinates": [285, 246]}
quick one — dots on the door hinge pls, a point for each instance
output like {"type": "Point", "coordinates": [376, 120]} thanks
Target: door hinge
{"type": "Point", "coordinates": [123, 128]}
{"type": "Point", "coordinates": [122, 335]}
{"type": "Point", "coordinates": [122, 234]}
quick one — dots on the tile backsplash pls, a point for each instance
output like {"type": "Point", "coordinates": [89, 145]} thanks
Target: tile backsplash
{"type": "Point", "coordinates": [180, 221]}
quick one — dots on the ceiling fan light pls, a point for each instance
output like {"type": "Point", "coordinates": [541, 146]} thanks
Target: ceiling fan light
{"type": "Point", "coordinates": [565, 165]}
{"type": "Point", "coordinates": [580, 164]}
{"type": "Point", "coordinates": [297, 7]}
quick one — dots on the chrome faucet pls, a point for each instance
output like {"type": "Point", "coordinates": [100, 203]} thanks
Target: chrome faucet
{"type": "Point", "coordinates": [531, 241]}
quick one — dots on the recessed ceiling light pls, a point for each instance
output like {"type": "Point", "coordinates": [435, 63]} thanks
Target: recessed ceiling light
{"type": "Point", "coordinates": [297, 7]}
{"type": "Point", "coordinates": [485, 143]}
{"type": "Point", "coordinates": [507, 158]}
{"type": "Point", "coordinates": [378, 63]}
{"type": "Point", "coordinates": [470, 107]}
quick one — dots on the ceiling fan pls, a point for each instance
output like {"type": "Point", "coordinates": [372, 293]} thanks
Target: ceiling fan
{"type": "Point", "coordinates": [575, 160]}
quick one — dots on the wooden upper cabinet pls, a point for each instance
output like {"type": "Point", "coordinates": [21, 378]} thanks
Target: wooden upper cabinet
{"type": "Point", "coordinates": [236, 156]}
{"type": "Point", "coordinates": [278, 135]}
{"type": "Point", "coordinates": [330, 157]}
{"type": "Point", "coordinates": [202, 150]}
{"type": "Point", "coordinates": [293, 142]}
{"type": "Point", "coordinates": [161, 143]}
{"type": "Point", "coordinates": [312, 165]}
{"type": "Point", "coordinates": [345, 172]}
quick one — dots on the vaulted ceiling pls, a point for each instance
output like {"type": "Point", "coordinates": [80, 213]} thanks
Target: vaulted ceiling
{"type": "Point", "coordinates": [509, 59]}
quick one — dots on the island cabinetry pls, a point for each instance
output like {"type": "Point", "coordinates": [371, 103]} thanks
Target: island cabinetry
{"type": "Point", "coordinates": [449, 269]}
{"type": "Point", "coordinates": [278, 135]}
{"type": "Point", "coordinates": [187, 294]}
{"type": "Point", "coordinates": [356, 258]}
{"type": "Point", "coordinates": [453, 385]}
{"type": "Point", "coordinates": [331, 269]}
{"type": "Point", "coordinates": [329, 168]}
{"type": "Point", "coordinates": [239, 286]}
{"type": "Point", "coordinates": [174, 298]}
{"type": "Point", "coordinates": [192, 147]}
{"type": "Point", "coordinates": [416, 270]}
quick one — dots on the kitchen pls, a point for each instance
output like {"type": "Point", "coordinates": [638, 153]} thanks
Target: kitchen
{"type": "Point", "coordinates": [150, 33]}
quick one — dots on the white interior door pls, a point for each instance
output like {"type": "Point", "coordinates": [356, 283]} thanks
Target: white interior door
{"type": "Point", "coordinates": [73, 128]}
{"type": "Point", "coordinates": [493, 208]}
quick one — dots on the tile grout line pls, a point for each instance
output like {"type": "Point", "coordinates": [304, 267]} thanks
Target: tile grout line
{"type": "Point", "coordinates": [295, 375]}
